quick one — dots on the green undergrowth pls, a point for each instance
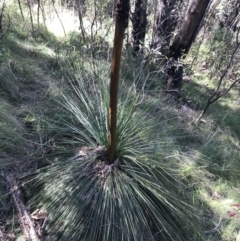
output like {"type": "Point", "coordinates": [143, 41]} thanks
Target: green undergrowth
{"type": "Point", "coordinates": [44, 124]}
{"type": "Point", "coordinates": [12, 134]}
{"type": "Point", "coordinates": [217, 136]}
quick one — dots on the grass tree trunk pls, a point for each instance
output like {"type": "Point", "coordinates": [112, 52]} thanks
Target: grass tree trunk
{"type": "Point", "coordinates": [139, 22]}
{"type": "Point", "coordinates": [122, 13]}
{"type": "Point", "coordinates": [183, 41]}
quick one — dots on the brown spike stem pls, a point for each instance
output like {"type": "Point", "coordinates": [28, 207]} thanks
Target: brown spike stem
{"type": "Point", "coordinates": [122, 12]}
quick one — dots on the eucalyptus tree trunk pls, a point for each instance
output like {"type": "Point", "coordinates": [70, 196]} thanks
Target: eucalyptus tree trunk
{"type": "Point", "coordinates": [183, 42]}
{"type": "Point", "coordinates": [122, 13]}
{"type": "Point", "coordinates": [80, 9]}
{"type": "Point", "coordinates": [20, 8]}
{"type": "Point", "coordinates": [189, 28]}
{"type": "Point", "coordinates": [231, 16]}
{"type": "Point", "coordinates": [38, 12]}
{"type": "Point", "coordinates": [165, 23]}
{"type": "Point", "coordinates": [139, 22]}
{"type": "Point", "coordinates": [29, 4]}
{"type": "Point", "coordinates": [1, 17]}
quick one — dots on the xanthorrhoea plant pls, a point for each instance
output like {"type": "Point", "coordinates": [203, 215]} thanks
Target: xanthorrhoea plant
{"type": "Point", "coordinates": [122, 189]}
{"type": "Point", "coordinates": [135, 198]}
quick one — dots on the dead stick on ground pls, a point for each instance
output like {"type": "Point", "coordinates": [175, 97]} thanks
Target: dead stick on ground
{"type": "Point", "coordinates": [25, 219]}
{"type": "Point", "coordinates": [216, 229]}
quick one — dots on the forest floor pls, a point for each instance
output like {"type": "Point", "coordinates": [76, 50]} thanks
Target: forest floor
{"type": "Point", "coordinates": [31, 70]}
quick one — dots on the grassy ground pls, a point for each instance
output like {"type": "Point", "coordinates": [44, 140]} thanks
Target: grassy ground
{"type": "Point", "coordinates": [32, 70]}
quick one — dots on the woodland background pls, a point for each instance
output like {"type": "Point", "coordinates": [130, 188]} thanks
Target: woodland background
{"type": "Point", "coordinates": [175, 173]}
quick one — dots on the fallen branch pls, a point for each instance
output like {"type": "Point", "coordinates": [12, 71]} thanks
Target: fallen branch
{"type": "Point", "coordinates": [216, 229]}
{"type": "Point", "coordinates": [24, 218]}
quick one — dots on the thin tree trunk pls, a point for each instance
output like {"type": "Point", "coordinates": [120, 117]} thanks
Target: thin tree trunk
{"type": "Point", "coordinates": [20, 7]}
{"type": "Point", "coordinates": [139, 22]}
{"type": "Point", "coordinates": [43, 14]}
{"type": "Point", "coordinates": [94, 22]}
{"type": "Point", "coordinates": [30, 12]}
{"type": "Point", "coordinates": [80, 17]}
{"type": "Point", "coordinates": [53, 2]}
{"type": "Point", "coordinates": [1, 17]}
{"type": "Point", "coordinates": [122, 13]}
{"type": "Point", "coordinates": [38, 12]}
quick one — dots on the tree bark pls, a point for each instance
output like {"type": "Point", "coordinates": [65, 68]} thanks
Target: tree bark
{"type": "Point", "coordinates": [80, 9]}
{"type": "Point", "coordinates": [25, 220]}
{"type": "Point", "coordinates": [139, 22]}
{"type": "Point", "coordinates": [183, 42]}
{"type": "Point", "coordinates": [189, 28]}
{"type": "Point", "coordinates": [122, 13]}
{"type": "Point", "coordinates": [29, 4]}
{"type": "Point", "coordinates": [231, 16]}
{"type": "Point", "coordinates": [1, 17]}
{"type": "Point", "coordinates": [164, 25]}
{"type": "Point", "coordinates": [38, 12]}
{"type": "Point", "coordinates": [20, 7]}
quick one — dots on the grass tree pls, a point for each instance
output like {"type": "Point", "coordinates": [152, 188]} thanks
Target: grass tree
{"type": "Point", "coordinates": [123, 182]}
